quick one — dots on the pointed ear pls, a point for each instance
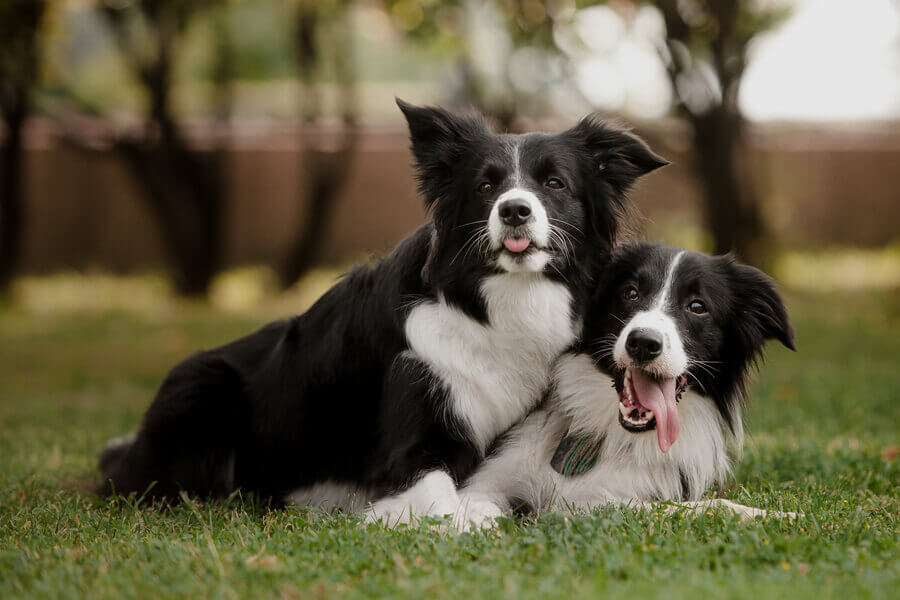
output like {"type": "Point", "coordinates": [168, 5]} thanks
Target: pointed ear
{"type": "Point", "coordinates": [428, 124]}
{"type": "Point", "coordinates": [761, 315]}
{"type": "Point", "coordinates": [438, 139]}
{"type": "Point", "coordinates": [618, 156]}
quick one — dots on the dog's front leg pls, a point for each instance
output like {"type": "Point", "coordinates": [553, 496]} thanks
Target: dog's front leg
{"type": "Point", "coordinates": [746, 513]}
{"type": "Point", "coordinates": [434, 495]}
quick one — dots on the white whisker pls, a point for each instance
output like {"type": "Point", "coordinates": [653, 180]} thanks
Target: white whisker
{"type": "Point", "coordinates": [566, 223]}
{"type": "Point", "coordinates": [703, 389]}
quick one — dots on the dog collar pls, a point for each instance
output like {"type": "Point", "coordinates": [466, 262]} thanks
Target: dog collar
{"type": "Point", "coordinates": [576, 454]}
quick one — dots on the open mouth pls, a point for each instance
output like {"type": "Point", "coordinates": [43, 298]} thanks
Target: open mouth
{"type": "Point", "coordinates": [648, 402]}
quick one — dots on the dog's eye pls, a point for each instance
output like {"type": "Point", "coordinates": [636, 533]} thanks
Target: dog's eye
{"type": "Point", "coordinates": [485, 188]}
{"type": "Point", "coordinates": [631, 294]}
{"type": "Point", "coordinates": [555, 183]}
{"type": "Point", "coordinates": [697, 307]}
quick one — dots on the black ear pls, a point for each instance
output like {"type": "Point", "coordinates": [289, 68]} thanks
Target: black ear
{"type": "Point", "coordinates": [620, 157]}
{"type": "Point", "coordinates": [438, 139]}
{"type": "Point", "coordinates": [761, 314]}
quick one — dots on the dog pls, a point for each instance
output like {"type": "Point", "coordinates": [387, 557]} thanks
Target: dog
{"type": "Point", "coordinates": [400, 376]}
{"type": "Point", "coordinates": [643, 409]}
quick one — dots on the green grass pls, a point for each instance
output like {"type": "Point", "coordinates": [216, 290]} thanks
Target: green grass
{"type": "Point", "coordinates": [823, 430]}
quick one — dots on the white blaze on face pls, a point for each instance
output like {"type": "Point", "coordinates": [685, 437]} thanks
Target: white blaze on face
{"type": "Point", "coordinates": [536, 229]}
{"type": "Point", "coordinates": [654, 383]}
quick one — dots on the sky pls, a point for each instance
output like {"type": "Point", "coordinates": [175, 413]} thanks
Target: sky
{"type": "Point", "coordinates": [833, 60]}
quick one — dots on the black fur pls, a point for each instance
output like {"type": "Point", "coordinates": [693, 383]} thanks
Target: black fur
{"type": "Point", "coordinates": [330, 395]}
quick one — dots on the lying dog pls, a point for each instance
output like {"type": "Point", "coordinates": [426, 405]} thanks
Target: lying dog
{"type": "Point", "coordinates": [403, 373]}
{"type": "Point", "coordinates": [643, 409]}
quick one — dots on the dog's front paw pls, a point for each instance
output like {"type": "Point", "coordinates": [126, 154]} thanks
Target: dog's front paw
{"type": "Point", "coordinates": [434, 495]}
{"type": "Point", "coordinates": [473, 514]}
{"type": "Point", "coordinates": [390, 513]}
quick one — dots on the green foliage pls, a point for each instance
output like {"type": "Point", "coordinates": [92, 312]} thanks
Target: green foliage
{"type": "Point", "coordinates": [758, 17]}
{"type": "Point", "coordinates": [823, 440]}
{"type": "Point", "coordinates": [263, 39]}
{"type": "Point", "coordinates": [439, 25]}
{"type": "Point", "coordinates": [446, 29]}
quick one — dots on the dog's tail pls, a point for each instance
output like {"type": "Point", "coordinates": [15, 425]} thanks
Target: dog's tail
{"type": "Point", "coordinates": [113, 452]}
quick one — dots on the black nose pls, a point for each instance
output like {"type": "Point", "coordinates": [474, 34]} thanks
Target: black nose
{"type": "Point", "coordinates": [514, 212]}
{"type": "Point", "coordinates": [643, 345]}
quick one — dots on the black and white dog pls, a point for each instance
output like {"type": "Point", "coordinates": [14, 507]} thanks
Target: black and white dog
{"type": "Point", "coordinates": [643, 408]}
{"type": "Point", "coordinates": [404, 372]}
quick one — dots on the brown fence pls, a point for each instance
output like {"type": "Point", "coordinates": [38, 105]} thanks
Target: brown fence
{"type": "Point", "coordinates": [83, 210]}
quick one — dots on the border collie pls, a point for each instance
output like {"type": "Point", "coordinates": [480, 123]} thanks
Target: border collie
{"type": "Point", "coordinates": [643, 408]}
{"type": "Point", "coordinates": [404, 372]}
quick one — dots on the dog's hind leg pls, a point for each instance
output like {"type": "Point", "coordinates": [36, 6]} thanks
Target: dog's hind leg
{"type": "Point", "coordinates": [114, 450]}
{"type": "Point", "coordinates": [188, 439]}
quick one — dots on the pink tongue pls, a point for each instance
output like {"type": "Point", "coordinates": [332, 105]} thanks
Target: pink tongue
{"type": "Point", "coordinates": [660, 398]}
{"type": "Point", "coordinates": [516, 244]}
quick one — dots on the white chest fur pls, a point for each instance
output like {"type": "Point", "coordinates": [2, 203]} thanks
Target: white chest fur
{"type": "Point", "coordinates": [631, 467]}
{"type": "Point", "coordinates": [496, 372]}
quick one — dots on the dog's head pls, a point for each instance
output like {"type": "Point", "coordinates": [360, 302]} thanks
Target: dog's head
{"type": "Point", "coordinates": [534, 202]}
{"type": "Point", "coordinates": [665, 320]}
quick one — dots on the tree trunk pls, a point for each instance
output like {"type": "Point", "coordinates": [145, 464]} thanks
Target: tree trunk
{"type": "Point", "coordinates": [731, 205]}
{"type": "Point", "coordinates": [11, 200]}
{"type": "Point", "coordinates": [327, 173]}
{"type": "Point", "coordinates": [182, 187]}
{"type": "Point", "coordinates": [326, 170]}
{"type": "Point", "coordinates": [19, 23]}
{"type": "Point", "coordinates": [717, 35]}
{"type": "Point", "coordinates": [184, 193]}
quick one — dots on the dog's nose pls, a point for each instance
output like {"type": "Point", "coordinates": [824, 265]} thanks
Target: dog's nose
{"type": "Point", "coordinates": [514, 212]}
{"type": "Point", "coordinates": [643, 345]}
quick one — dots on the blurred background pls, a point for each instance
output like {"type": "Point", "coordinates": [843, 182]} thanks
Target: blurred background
{"type": "Point", "coordinates": [176, 173]}
{"type": "Point", "coordinates": [226, 149]}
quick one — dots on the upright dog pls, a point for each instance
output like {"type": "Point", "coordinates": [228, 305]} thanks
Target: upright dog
{"type": "Point", "coordinates": [643, 408]}
{"type": "Point", "coordinates": [405, 371]}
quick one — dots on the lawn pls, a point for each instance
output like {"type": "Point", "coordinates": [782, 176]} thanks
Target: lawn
{"type": "Point", "coordinates": [823, 439]}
